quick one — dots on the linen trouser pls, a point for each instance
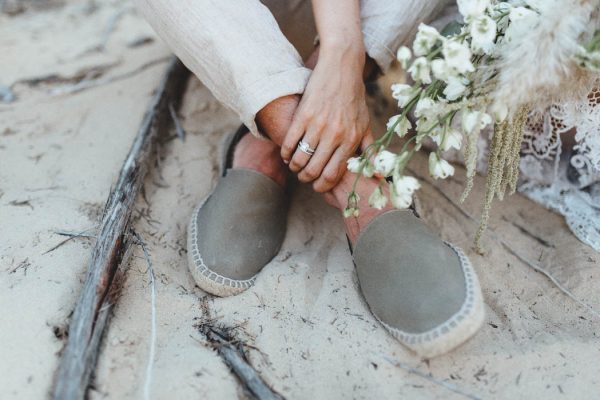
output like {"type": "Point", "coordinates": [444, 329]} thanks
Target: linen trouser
{"type": "Point", "coordinates": [249, 53]}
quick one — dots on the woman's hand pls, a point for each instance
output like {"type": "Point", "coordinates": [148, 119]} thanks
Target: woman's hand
{"type": "Point", "coordinates": [332, 118]}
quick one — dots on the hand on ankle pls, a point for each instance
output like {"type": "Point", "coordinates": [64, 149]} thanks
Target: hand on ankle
{"type": "Point", "coordinates": [275, 118]}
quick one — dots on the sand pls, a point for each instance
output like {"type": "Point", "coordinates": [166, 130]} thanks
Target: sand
{"type": "Point", "coordinates": [311, 332]}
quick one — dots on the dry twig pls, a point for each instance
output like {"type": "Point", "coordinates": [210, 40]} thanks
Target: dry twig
{"type": "Point", "coordinates": [112, 245]}
{"type": "Point", "coordinates": [232, 353]}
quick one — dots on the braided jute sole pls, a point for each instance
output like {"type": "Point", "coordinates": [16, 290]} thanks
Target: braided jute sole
{"type": "Point", "coordinates": [458, 328]}
{"type": "Point", "coordinates": [205, 278]}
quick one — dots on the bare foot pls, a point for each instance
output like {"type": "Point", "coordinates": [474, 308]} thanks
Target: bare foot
{"type": "Point", "coordinates": [338, 198]}
{"type": "Point", "coordinates": [275, 118]}
{"type": "Point", "coordinates": [264, 156]}
{"type": "Point", "coordinates": [261, 156]}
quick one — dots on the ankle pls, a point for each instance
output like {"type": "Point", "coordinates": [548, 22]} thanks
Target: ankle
{"type": "Point", "coordinates": [339, 194]}
{"type": "Point", "coordinates": [338, 198]}
{"type": "Point", "coordinates": [261, 156]}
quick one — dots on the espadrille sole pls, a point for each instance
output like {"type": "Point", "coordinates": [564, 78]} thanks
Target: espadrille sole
{"type": "Point", "coordinates": [458, 328]}
{"type": "Point", "coordinates": [205, 278]}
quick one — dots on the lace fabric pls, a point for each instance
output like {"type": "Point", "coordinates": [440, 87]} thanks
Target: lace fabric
{"type": "Point", "coordinates": [560, 164]}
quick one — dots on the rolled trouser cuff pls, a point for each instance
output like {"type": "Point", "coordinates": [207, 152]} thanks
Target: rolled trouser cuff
{"type": "Point", "coordinates": [262, 92]}
{"type": "Point", "coordinates": [378, 51]}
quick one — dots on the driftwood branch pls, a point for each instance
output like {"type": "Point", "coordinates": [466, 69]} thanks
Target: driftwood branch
{"type": "Point", "coordinates": [233, 355]}
{"type": "Point", "coordinates": [150, 365]}
{"type": "Point", "coordinates": [87, 83]}
{"type": "Point", "coordinates": [93, 306]}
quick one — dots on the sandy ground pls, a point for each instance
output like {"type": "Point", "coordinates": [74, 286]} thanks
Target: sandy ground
{"type": "Point", "coordinates": [311, 332]}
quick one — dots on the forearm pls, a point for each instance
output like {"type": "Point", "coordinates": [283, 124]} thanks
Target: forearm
{"type": "Point", "coordinates": [339, 30]}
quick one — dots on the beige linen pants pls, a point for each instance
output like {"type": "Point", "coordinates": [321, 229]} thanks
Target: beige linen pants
{"type": "Point", "coordinates": [249, 53]}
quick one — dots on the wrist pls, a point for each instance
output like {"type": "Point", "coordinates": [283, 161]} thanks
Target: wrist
{"type": "Point", "coordinates": [346, 53]}
{"type": "Point", "coordinates": [336, 45]}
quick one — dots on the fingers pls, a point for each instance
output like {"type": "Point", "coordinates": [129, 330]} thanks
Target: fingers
{"type": "Point", "coordinates": [292, 137]}
{"type": "Point", "coordinates": [333, 171]}
{"type": "Point", "coordinates": [367, 140]}
{"type": "Point", "coordinates": [317, 162]}
{"type": "Point", "coordinates": [300, 159]}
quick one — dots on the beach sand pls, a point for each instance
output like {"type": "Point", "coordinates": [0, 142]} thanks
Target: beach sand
{"type": "Point", "coordinates": [311, 333]}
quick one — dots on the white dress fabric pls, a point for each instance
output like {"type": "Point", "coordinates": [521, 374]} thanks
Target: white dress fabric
{"type": "Point", "coordinates": [560, 163]}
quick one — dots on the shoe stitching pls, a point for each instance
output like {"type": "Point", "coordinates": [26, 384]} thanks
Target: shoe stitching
{"type": "Point", "coordinates": [447, 327]}
{"type": "Point", "coordinates": [201, 266]}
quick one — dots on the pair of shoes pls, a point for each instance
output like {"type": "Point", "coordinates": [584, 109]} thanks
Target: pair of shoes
{"type": "Point", "coordinates": [422, 290]}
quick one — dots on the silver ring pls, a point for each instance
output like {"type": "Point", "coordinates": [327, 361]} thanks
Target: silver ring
{"type": "Point", "coordinates": [305, 148]}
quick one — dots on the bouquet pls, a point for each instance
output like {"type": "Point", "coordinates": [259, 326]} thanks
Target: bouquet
{"type": "Point", "coordinates": [502, 62]}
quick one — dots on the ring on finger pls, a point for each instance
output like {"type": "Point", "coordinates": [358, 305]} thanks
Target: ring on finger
{"type": "Point", "coordinates": [305, 148]}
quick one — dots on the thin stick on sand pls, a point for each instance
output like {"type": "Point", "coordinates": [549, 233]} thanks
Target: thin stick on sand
{"type": "Point", "coordinates": [91, 313]}
{"type": "Point", "coordinates": [233, 355]}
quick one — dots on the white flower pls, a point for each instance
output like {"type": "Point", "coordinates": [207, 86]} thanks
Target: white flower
{"type": "Point", "coordinates": [351, 209]}
{"type": "Point", "coordinates": [404, 55]}
{"type": "Point", "coordinates": [400, 200]}
{"type": "Point", "coordinates": [384, 162]}
{"type": "Point", "coordinates": [427, 112]}
{"type": "Point", "coordinates": [440, 69]}
{"type": "Point", "coordinates": [522, 23]}
{"type": "Point", "coordinates": [402, 190]}
{"type": "Point", "coordinates": [403, 93]}
{"type": "Point", "coordinates": [483, 33]}
{"type": "Point", "coordinates": [420, 70]}
{"type": "Point", "coordinates": [438, 167]}
{"type": "Point", "coordinates": [402, 127]}
{"type": "Point", "coordinates": [436, 134]}
{"type": "Point", "coordinates": [452, 139]}
{"type": "Point", "coordinates": [472, 8]}
{"type": "Point", "coordinates": [458, 56]}
{"type": "Point", "coordinates": [377, 199]}
{"type": "Point", "coordinates": [455, 88]}
{"type": "Point", "coordinates": [425, 124]}
{"type": "Point", "coordinates": [475, 121]}
{"type": "Point", "coordinates": [423, 106]}
{"type": "Point", "coordinates": [368, 170]}
{"type": "Point", "coordinates": [406, 185]}
{"type": "Point", "coordinates": [353, 164]}
{"type": "Point", "coordinates": [425, 39]}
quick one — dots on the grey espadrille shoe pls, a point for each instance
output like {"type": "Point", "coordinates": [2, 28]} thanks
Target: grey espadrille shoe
{"type": "Point", "coordinates": [423, 290]}
{"type": "Point", "coordinates": [237, 229]}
